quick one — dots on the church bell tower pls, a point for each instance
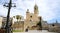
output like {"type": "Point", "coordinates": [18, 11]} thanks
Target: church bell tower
{"type": "Point", "coordinates": [36, 9]}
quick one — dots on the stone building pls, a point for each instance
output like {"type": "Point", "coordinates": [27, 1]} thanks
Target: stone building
{"type": "Point", "coordinates": [30, 22]}
{"type": "Point", "coordinates": [54, 27]}
{"type": "Point", "coordinates": [44, 25]}
{"type": "Point", "coordinates": [32, 19]}
{"type": "Point", "coordinates": [4, 19]}
{"type": "Point", "coordinates": [18, 24]}
{"type": "Point", "coordinates": [1, 21]}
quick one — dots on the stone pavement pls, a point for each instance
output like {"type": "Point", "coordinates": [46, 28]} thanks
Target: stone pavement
{"type": "Point", "coordinates": [36, 31]}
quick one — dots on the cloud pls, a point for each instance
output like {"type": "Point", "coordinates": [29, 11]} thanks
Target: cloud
{"type": "Point", "coordinates": [48, 9]}
{"type": "Point", "coordinates": [23, 5]}
{"type": "Point", "coordinates": [4, 1]}
{"type": "Point", "coordinates": [3, 10]}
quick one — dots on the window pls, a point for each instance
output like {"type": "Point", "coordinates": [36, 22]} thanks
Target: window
{"type": "Point", "coordinates": [35, 8]}
{"type": "Point", "coordinates": [31, 16]}
{"type": "Point", "coordinates": [30, 20]}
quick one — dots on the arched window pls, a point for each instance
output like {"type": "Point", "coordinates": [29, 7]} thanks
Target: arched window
{"type": "Point", "coordinates": [35, 8]}
{"type": "Point", "coordinates": [31, 16]}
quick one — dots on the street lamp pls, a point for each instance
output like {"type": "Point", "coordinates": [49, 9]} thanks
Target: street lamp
{"type": "Point", "coordinates": [8, 27]}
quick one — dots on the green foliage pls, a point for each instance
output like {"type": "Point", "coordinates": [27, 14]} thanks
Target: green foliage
{"type": "Point", "coordinates": [17, 17]}
{"type": "Point", "coordinates": [39, 24]}
{"type": "Point", "coordinates": [17, 30]}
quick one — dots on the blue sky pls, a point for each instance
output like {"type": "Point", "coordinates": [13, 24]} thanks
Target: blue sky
{"type": "Point", "coordinates": [48, 9]}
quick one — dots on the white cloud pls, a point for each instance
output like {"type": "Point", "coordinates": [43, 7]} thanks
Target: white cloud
{"type": "Point", "coordinates": [3, 10]}
{"type": "Point", "coordinates": [46, 8]}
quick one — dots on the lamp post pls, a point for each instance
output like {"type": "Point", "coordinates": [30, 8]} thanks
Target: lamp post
{"type": "Point", "coordinates": [7, 27]}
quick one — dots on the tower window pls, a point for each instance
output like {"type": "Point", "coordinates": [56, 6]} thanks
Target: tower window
{"type": "Point", "coordinates": [31, 16]}
{"type": "Point", "coordinates": [35, 8]}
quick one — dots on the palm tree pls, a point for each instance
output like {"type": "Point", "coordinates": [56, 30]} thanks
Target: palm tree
{"type": "Point", "coordinates": [20, 17]}
{"type": "Point", "coordinates": [17, 17]}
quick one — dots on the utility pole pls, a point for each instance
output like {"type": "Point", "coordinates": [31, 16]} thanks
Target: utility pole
{"type": "Point", "coordinates": [8, 27]}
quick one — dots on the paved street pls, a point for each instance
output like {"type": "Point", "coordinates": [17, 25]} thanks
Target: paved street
{"type": "Point", "coordinates": [35, 31]}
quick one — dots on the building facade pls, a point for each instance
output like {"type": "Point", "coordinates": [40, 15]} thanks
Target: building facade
{"type": "Point", "coordinates": [32, 19]}
{"type": "Point", "coordinates": [1, 21]}
{"type": "Point", "coordinates": [18, 22]}
{"type": "Point", "coordinates": [4, 19]}
{"type": "Point", "coordinates": [54, 27]}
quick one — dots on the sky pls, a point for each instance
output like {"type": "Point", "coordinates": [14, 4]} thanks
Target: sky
{"type": "Point", "coordinates": [48, 9]}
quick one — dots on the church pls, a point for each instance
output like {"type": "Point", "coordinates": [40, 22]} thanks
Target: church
{"type": "Point", "coordinates": [32, 19]}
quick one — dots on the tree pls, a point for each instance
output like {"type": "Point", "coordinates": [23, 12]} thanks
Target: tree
{"type": "Point", "coordinates": [39, 24]}
{"type": "Point", "coordinates": [20, 17]}
{"type": "Point", "coordinates": [17, 17]}
{"type": "Point", "coordinates": [13, 16]}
